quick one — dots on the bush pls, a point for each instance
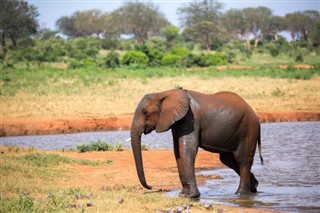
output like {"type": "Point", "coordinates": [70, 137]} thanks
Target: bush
{"type": "Point", "coordinates": [213, 59]}
{"type": "Point", "coordinates": [119, 146]}
{"type": "Point", "coordinates": [154, 54]}
{"type": "Point", "coordinates": [113, 60]}
{"type": "Point", "coordinates": [181, 51]}
{"type": "Point", "coordinates": [157, 43]}
{"type": "Point", "coordinates": [274, 52]}
{"type": "Point", "coordinates": [94, 146]}
{"type": "Point", "coordinates": [135, 57]}
{"type": "Point", "coordinates": [155, 57]}
{"type": "Point", "coordinates": [109, 44]}
{"type": "Point", "coordinates": [171, 60]}
{"type": "Point", "coordinates": [76, 64]}
{"type": "Point", "coordinates": [126, 44]}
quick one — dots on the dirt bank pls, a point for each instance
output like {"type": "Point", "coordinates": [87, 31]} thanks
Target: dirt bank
{"type": "Point", "coordinates": [42, 126]}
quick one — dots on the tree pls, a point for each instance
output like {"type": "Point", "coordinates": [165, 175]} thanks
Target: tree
{"type": "Point", "coordinates": [204, 32]}
{"type": "Point", "coordinates": [89, 22]}
{"type": "Point", "coordinates": [139, 19]}
{"type": "Point", "coordinates": [257, 21]}
{"type": "Point", "coordinates": [295, 24]}
{"type": "Point", "coordinates": [200, 20]}
{"type": "Point", "coordinates": [66, 25]}
{"type": "Point", "coordinates": [83, 23]}
{"type": "Point", "coordinates": [301, 24]}
{"type": "Point", "coordinates": [18, 19]}
{"type": "Point", "coordinates": [171, 33]}
{"type": "Point", "coordinates": [234, 23]}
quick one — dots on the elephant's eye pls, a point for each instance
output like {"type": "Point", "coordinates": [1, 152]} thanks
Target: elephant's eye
{"type": "Point", "coordinates": [145, 113]}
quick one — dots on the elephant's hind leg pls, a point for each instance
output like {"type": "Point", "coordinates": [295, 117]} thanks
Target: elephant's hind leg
{"type": "Point", "coordinates": [253, 183]}
{"type": "Point", "coordinates": [228, 160]}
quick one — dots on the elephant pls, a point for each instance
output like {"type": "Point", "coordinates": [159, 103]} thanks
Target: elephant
{"type": "Point", "coordinates": [220, 123]}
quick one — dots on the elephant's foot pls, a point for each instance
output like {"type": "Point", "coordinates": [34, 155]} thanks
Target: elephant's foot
{"type": "Point", "coordinates": [248, 188]}
{"type": "Point", "coordinates": [242, 191]}
{"type": "Point", "coordinates": [190, 191]}
{"type": "Point", "coordinates": [253, 184]}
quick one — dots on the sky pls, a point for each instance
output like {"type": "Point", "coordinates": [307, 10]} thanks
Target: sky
{"type": "Point", "coordinates": [51, 10]}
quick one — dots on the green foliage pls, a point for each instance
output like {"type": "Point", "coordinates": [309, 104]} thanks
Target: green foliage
{"type": "Point", "coordinates": [82, 48]}
{"type": "Point", "coordinates": [154, 54]}
{"type": "Point", "coordinates": [273, 49]}
{"type": "Point", "coordinates": [21, 204]}
{"type": "Point", "coordinates": [213, 59]}
{"type": "Point", "coordinates": [119, 146]}
{"type": "Point", "coordinates": [126, 44]}
{"type": "Point", "coordinates": [85, 63]}
{"type": "Point", "coordinates": [46, 160]}
{"type": "Point", "coordinates": [18, 19]}
{"type": "Point", "coordinates": [157, 43]}
{"type": "Point", "coordinates": [135, 57]}
{"type": "Point", "coordinates": [109, 44]}
{"type": "Point", "coordinates": [171, 60]}
{"type": "Point", "coordinates": [112, 60]}
{"type": "Point", "coordinates": [180, 51]}
{"type": "Point", "coordinates": [94, 146]}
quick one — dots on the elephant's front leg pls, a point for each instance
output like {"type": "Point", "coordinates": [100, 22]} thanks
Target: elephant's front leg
{"type": "Point", "coordinates": [185, 150]}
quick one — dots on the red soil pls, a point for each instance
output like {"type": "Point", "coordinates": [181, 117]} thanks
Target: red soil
{"type": "Point", "coordinates": [42, 126]}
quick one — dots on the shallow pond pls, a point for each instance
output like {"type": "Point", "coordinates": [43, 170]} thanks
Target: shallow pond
{"type": "Point", "coordinates": [289, 180]}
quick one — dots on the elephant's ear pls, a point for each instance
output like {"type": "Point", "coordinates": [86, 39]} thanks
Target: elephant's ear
{"type": "Point", "coordinates": [174, 106]}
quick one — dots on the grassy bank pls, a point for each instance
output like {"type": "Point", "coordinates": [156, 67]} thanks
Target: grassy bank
{"type": "Point", "coordinates": [29, 184]}
{"type": "Point", "coordinates": [44, 91]}
{"type": "Point", "coordinates": [46, 181]}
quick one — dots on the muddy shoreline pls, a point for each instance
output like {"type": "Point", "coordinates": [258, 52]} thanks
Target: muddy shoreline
{"type": "Point", "coordinates": [44, 126]}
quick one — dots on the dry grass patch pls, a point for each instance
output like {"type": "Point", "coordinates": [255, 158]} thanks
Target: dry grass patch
{"type": "Point", "coordinates": [122, 95]}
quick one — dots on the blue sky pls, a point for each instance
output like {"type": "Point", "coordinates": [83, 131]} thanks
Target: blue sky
{"type": "Point", "coordinates": [51, 10]}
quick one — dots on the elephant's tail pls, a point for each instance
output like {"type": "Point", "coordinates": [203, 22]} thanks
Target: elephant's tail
{"type": "Point", "coordinates": [259, 146]}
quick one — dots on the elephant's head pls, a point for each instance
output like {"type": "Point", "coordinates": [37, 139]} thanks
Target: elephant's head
{"type": "Point", "coordinates": [156, 111]}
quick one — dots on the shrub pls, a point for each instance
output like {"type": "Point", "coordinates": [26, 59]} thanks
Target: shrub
{"type": "Point", "coordinates": [94, 146]}
{"type": "Point", "coordinates": [119, 146]}
{"type": "Point", "coordinates": [181, 51]}
{"type": "Point", "coordinates": [213, 59]}
{"type": "Point", "coordinates": [156, 43]}
{"type": "Point", "coordinates": [155, 57]}
{"type": "Point", "coordinates": [135, 57]}
{"type": "Point", "coordinates": [154, 54]}
{"type": "Point", "coordinates": [171, 60]}
{"type": "Point", "coordinates": [126, 44]}
{"type": "Point", "coordinates": [109, 44]}
{"type": "Point", "coordinates": [26, 42]}
{"type": "Point", "coordinates": [219, 59]}
{"type": "Point", "coordinates": [76, 64]}
{"type": "Point", "coordinates": [113, 60]}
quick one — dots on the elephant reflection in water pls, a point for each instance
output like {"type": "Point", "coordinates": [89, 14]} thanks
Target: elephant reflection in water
{"type": "Point", "coordinates": [221, 123]}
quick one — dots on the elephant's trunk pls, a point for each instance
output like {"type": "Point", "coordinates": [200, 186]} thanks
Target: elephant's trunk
{"type": "Point", "coordinates": [136, 148]}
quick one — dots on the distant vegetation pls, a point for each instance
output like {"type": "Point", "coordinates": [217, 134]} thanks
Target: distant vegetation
{"type": "Point", "coordinates": [209, 37]}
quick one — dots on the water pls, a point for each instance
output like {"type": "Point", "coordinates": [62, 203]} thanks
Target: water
{"type": "Point", "coordinates": [70, 141]}
{"type": "Point", "coordinates": [289, 180]}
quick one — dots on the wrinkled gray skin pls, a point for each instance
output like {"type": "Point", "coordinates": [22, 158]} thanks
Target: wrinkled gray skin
{"type": "Point", "coordinates": [221, 123]}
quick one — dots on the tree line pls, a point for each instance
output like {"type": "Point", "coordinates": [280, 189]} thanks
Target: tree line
{"type": "Point", "coordinates": [201, 21]}
{"type": "Point", "coordinates": [153, 40]}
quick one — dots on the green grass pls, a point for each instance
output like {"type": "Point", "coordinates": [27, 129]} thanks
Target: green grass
{"type": "Point", "coordinates": [32, 181]}
{"type": "Point", "coordinates": [45, 160]}
{"type": "Point", "coordinates": [46, 81]}
{"type": "Point", "coordinates": [94, 146]}
{"type": "Point", "coordinates": [30, 168]}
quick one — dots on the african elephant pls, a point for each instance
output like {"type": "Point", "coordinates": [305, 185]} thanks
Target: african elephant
{"type": "Point", "coordinates": [221, 123]}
